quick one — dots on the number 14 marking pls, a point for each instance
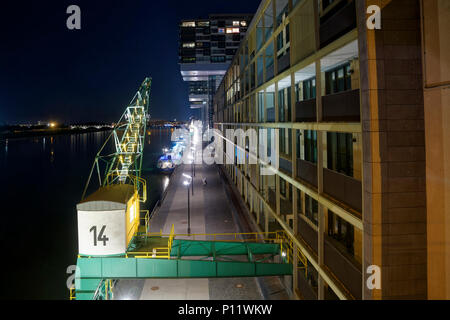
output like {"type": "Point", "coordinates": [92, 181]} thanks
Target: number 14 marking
{"type": "Point", "coordinates": [101, 237]}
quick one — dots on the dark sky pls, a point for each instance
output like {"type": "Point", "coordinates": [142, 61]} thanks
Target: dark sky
{"type": "Point", "coordinates": [48, 72]}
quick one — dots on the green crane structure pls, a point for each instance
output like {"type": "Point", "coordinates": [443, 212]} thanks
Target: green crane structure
{"type": "Point", "coordinates": [124, 165]}
{"type": "Point", "coordinates": [157, 255]}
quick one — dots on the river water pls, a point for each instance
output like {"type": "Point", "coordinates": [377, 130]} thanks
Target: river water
{"type": "Point", "coordinates": [41, 182]}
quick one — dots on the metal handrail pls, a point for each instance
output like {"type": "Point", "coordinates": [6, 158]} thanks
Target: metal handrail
{"type": "Point", "coordinates": [135, 182]}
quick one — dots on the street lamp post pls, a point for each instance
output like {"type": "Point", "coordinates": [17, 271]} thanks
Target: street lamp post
{"type": "Point", "coordinates": [189, 213]}
{"type": "Point", "coordinates": [187, 183]}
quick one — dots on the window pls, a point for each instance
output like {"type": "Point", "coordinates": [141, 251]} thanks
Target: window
{"type": "Point", "coordinates": [312, 209]}
{"type": "Point", "coordinates": [243, 23]}
{"type": "Point", "coordinates": [310, 146]}
{"type": "Point", "coordinates": [309, 89]}
{"type": "Point", "coordinates": [198, 87]}
{"type": "Point", "coordinates": [261, 106]}
{"type": "Point", "coordinates": [221, 30]}
{"type": "Point", "coordinates": [340, 152]}
{"type": "Point", "coordinates": [338, 79]}
{"type": "Point", "coordinates": [284, 105]}
{"type": "Point", "coordinates": [252, 75]}
{"type": "Point", "coordinates": [268, 22]}
{"type": "Point", "coordinates": [236, 23]}
{"type": "Point", "coordinates": [203, 23]}
{"type": "Point", "coordinates": [269, 61]}
{"type": "Point", "coordinates": [189, 45]}
{"type": "Point", "coordinates": [259, 35]}
{"type": "Point", "coordinates": [283, 187]}
{"type": "Point", "coordinates": [232, 30]}
{"type": "Point", "coordinates": [282, 141]}
{"type": "Point", "coordinates": [260, 69]}
{"type": "Point", "coordinates": [285, 141]}
{"type": "Point", "coordinates": [270, 107]}
{"type": "Point", "coordinates": [218, 59]}
{"type": "Point", "coordinates": [188, 24]}
{"type": "Point", "coordinates": [188, 60]}
{"type": "Point", "coordinates": [282, 10]}
{"type": "Point", "coordinates": [281, 104]}
{"type": "Point", "coordinates": [299, 201]}
{"type": "Point", "coordinates": [341, 231]}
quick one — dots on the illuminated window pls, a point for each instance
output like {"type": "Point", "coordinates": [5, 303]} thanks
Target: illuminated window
{"type": "Point", "coordinates": [221, 30]}
{"type": "Point", "coordinates": [203, 24]}
{"type": "Point", "coordinates": [244, 23]}
{"type": "Point", "coordinates": [232, 30]}
{"type": "Point", "coordinates": [236, 23]}
{"type": "Point", "coordinates": [189, 45]}
{"type": "Point", "coordinates": [190, 24]}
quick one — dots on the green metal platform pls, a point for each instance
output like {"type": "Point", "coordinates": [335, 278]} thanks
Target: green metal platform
{"type": "Point", "coordinates": [189, 259]}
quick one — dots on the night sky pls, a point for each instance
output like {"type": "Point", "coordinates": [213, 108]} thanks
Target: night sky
{"type": "Point", "coordinates": [48, 72]}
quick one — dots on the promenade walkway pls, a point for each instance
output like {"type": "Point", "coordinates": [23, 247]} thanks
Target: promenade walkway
{"type": "Point", "coordinates": [211, 212]}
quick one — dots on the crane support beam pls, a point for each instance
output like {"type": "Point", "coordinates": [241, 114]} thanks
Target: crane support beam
{"type": "Point", "coordinates": [93, 271]}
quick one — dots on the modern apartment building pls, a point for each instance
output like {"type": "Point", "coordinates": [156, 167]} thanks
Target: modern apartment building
{"type": "Point", "coordinates": [206, 48]}
{"type": "Point", "coordinates": [362, 182]}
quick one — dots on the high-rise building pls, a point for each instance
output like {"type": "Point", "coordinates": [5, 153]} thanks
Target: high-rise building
{"type": "Point", "coordinates": [363, 121]}
{"type": "Point", "coordinates": [206, 49]}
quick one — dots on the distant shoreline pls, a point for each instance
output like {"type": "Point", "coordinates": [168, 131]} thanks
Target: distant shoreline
{"type": "Point", "coordinates": [49, 132]}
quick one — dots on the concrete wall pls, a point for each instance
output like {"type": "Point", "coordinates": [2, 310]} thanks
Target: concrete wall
{"type": "Point", "coordinates": [395, 234]}
{"type": "Point", "coordinates": [436, 58]}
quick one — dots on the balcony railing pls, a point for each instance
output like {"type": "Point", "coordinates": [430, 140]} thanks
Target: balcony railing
{"type": "Point", "coordinates": [343, 188]}
{"type": "Point", "coordinates": [307, 291]}
{"type": "Point", "coordinates": [337, 23]}
{"type": "Point", "coordinates": [286, 165]}
{"type": "Point", "coordinates": [343, 268]}
{"type": "Point", "coordinates": [307, 171]}
{"type": "Point", "coordinates": [308, 234]}
{"type": "Point", "coordinates": [285, 207]}
{"type": "Point", "coordinates": [343, 106]}
{"type": "Point", "coordinates": [306, 111]}
{"type": "Point", "coordinates": [284, 62]}
{"type": "Point", "coordinates": [272, 199]}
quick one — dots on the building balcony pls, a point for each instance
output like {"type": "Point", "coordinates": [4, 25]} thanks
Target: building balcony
{"type": "Point", "coordinates": [343, 106]}
{"type": "Point", "coordinates": [286, 165]}
{"type": "Point", "coordinates": [308, 234]}
{"type": "Point", "coordinates": [284, 62]}
{"type": "Point", "coordinates": [307, 171]}
{"type": "Point", "coordinates": [272, 199]}
{"type": "Point", "coordinates": [337, 22]}
{"type": "Point", "coordinates": [305, 286]}
{"type": "Point", "coordinates": [306, 111]}
{"type": "Point", "coordinates": [285, 207]}
{"type": "Point", "coordinates": [343, 188]}
{"type": "Point", "coordinates": [347, 271]}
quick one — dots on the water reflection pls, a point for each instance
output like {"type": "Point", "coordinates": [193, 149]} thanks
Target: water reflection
{"type": "Point", "coordinates": [166, 182]}
{"type": "Point", "coordinates": [56, 170]}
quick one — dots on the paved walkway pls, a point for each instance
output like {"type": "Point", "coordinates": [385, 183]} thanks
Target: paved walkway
{"type": "Point", "coordinates": [211, 212]}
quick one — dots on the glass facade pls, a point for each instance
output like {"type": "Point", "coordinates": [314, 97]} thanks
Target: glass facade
{"type": "Point", "coordinates": [340, 152]}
